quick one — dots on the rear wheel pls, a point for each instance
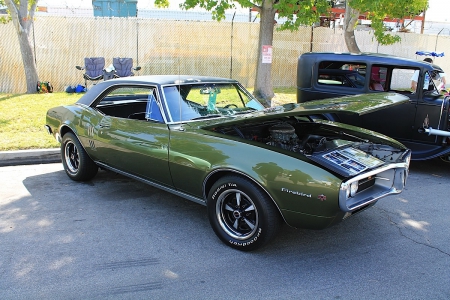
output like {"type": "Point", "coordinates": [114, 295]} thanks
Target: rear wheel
{"type": "Point", "coordinates": [77, 164]}
{"type": "Point", "coordinates": [446, 158]}
{"type": "Point", "coordinates": [241, 214]}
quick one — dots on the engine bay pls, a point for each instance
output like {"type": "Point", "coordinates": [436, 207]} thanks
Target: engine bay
{"type": "Point", "coordinates": [343, 152]}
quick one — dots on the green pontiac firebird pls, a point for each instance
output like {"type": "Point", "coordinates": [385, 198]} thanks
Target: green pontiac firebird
{"type": "Point", "coordinates": [209, 140]}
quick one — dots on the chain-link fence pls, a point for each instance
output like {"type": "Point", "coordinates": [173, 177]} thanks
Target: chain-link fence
{"type": "Point", "coordinates": [225, 49]}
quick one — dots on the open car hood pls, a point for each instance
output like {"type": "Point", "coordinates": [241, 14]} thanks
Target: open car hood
{"type": "Point", "coordinates": [356, 104]}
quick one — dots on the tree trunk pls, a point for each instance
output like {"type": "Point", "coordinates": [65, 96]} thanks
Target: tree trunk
{"type": "Point", "coordinates": [350, 20]}
{"type": "Point", "coordinates": [263, 89]}
{"type": "Point", "coordinates": [29, 63]}
{"type": "Point", "coordinates": [22, 22]}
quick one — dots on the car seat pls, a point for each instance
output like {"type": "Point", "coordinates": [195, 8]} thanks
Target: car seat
{"type": "Point", "coordinates": [376, 86]}
{"type": "Point", "coordinates": [376, 80]}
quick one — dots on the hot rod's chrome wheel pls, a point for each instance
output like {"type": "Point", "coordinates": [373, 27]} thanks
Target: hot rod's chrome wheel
{"type": "Point", "coordinates": [77, 163]}
{"type": "Point", "coordinates": [237, 214]}
{"type": "Point", "coordinates": [71, 157]}
{"type": "Point", "coordinates": [241, 213]}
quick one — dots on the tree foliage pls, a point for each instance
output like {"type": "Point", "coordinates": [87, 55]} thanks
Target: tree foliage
{"type": "Point", "coordinates": [297, 12]}
{"type": "Point", "coordinates": [21, 13]}
{"type": "Point", "coordinates": [378, 10]}
{"type": "Point", "coordinates": [307, 12]}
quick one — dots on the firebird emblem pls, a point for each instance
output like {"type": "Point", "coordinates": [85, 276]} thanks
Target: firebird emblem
{"type": "Point", "coordinates": [322, 197]}
{"type": "Point", "coordinates": [296, 193]}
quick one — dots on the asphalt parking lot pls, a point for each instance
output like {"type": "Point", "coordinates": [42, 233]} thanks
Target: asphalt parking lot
{"type": "Point", "coordinates": [115, 238]}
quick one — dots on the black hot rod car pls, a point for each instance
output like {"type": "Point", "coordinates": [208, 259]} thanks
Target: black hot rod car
{"type": "Point", "coordinates": [422, 124]}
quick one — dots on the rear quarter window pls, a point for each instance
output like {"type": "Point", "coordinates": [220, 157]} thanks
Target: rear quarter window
{"type": "Point", "coordinates": [342, 74]}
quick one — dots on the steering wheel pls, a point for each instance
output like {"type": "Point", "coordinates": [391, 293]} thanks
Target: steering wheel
{"type": "Point", "coordinates": [230, 105]}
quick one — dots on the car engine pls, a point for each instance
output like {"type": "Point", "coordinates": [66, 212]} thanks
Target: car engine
{"type": "Point", "coordinates": [319, 142]}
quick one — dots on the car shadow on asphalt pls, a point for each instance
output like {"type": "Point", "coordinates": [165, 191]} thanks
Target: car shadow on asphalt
{"type": "Point", "coordinates": [110, 194]}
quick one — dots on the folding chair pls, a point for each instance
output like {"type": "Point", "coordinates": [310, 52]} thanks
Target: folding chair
{"type": "Point", "coordinates": [124, 66]}
{"type": "Point", "coordinates": [93, 67]}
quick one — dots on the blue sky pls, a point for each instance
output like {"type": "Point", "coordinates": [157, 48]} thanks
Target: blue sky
{"type": "Point", "coordinates": [439, 10]}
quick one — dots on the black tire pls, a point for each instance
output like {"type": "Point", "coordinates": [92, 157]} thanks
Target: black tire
{"type": "Point", "coordinates": [241, 214]}
{"type": "Point", "coordinates": [446, 158]}
{"type": "Point", "coordinates": [77, 164]}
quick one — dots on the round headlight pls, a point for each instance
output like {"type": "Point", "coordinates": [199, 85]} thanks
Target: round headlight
{"type": "Point", "coordinates": [353, 188]}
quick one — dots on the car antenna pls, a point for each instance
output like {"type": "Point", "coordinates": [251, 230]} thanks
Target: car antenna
{"type": "Point", "coordinates": [180, 98]}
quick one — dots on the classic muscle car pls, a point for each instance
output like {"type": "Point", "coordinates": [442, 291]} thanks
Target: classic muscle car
{"type": "Point", "coordinates": [421, 124]}
{"type": "Point", "coordinates": [210, 141]}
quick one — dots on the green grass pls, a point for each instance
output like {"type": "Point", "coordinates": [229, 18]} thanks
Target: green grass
{"type": "Point", "coordinates": [22, 117]}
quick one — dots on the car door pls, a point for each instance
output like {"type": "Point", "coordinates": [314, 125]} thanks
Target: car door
{"type": "Point", "coordinates": [396, 121]}
{"type": "Point", "coordinates": [429, 111]}
{"type": "Point", "coordinates": [135, 139]}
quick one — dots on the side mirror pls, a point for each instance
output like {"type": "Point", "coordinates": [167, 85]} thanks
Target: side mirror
{"type": "Point", "coordinates": [79, 67]}
{"type": "Point", "coordinates": [137, 68]}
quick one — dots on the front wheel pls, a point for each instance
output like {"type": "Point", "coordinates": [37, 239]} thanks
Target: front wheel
{"type": "Point", "coordinates": [446, 158]}
{"type": "Point", "coordinates": [241, 214]}
{"type": "Point", "coordinates": [77, 163]}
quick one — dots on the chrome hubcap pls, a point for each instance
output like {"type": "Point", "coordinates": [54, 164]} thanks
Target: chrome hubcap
{"type": "Point", "coordinates": [237, 214]}
{"type": "Point", "coordinates": [71, 156]}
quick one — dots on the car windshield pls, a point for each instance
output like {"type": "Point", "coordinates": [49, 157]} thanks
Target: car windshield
{"type": "Point", "coordinates": [202, 101]}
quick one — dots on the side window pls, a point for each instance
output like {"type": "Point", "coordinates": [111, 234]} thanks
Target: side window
{"type": "Point", "coordinates": [344, 74]}
{"type": "Point", "coordinates": [431, 81]}
{"type": "Point", "coordinates": [438, 79]}
{"type": "Point", "coordinates": [137, 103]}
{"type": "Point", "coordinates": [404, 80]}
{"type": "Point", "coordinates": [153, 113]}
{"type": "Point", "coordinates": [378, 75]}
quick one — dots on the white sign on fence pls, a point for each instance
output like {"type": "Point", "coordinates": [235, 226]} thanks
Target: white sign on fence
{"type": "Point", "coordinates": [266, 54]}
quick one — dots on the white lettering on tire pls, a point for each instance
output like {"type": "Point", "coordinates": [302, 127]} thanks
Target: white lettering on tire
{"type": "Point", "coordinates": [249, 242]}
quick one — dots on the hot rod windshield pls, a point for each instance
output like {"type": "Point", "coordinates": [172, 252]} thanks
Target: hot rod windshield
{"type": "Point", "coordinates": [198, 101]}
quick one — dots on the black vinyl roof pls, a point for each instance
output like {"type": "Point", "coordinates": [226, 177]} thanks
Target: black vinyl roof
{"type": "Point", "coordinates": [153, 80]}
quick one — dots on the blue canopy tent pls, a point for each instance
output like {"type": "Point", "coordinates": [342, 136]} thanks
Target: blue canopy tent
{"type": "Point", "coordinates": [435, 54]}
{"type": "Point", "coordinates": [430, 53]}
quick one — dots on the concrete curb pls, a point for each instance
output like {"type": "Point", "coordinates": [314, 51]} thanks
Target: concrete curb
{"type": "Point", "coordinates": [29, 157]}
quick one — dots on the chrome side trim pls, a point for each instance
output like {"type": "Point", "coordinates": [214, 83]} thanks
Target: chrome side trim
{"type": "Point", "coordinates": [157, 185]}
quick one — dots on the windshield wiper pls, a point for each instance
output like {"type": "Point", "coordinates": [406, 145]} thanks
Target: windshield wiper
{"type": "Point", "coordinates": [207, 117]}
{"type": "Point", "coordinates": [247, 111]}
